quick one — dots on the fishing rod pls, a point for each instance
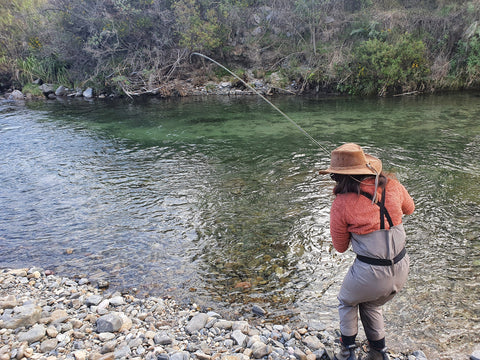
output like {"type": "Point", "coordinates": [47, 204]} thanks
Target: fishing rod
{"type": "Point", "coordinates": [268, 101]}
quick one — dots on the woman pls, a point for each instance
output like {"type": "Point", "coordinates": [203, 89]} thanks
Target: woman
{"type": "Point", "coordinates": [367, 213]}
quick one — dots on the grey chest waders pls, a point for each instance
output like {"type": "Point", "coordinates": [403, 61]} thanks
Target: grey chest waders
{"type": "Point", "coordinates": [378, 273]}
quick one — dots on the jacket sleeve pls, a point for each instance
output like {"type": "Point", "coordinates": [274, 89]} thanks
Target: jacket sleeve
{"type": "Point", "coordinates": [338, 227]}
{"type": "Point", "coordinates": [408, 206]}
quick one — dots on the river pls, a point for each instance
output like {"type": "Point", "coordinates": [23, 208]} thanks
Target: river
{"type": "Point", "coordinates": [218, 200]}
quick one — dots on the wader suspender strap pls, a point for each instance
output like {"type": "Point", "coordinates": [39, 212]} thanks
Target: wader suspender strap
{"type": "Point", "coordinates": [383, 210]}
{"type": "Point", "coordinates": [383, 214]}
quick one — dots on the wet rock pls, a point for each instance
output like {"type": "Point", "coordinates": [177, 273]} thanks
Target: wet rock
{"type": "Point", "coordinates": [103, 284]}
{"type": "Point", "coordinates": [78, 93]}
{"type": "Point", "coordinates": [83, 281]}
{"type": "Point", "coordinates": [315, 325]}
{"type": "Point", "coordinates": [257, 310]}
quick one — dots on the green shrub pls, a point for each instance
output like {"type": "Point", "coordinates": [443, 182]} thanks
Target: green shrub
{"type": "Point", "coordinates": [32, 89]}
{"type": "Point", "coordinates": [198, 26]}
{"type": "Point", "coordinates": [385, 67]}
{"type": "Point", "coordinates": [466, 62]}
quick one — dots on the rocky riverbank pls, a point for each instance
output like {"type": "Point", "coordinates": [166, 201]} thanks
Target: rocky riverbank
{"type": "Point", "coordinates": [174, 88]}
{"type": "Point", "coordinates": [46, 316]}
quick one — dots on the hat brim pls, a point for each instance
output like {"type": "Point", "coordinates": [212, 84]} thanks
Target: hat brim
{"type": "Point", "coordinates": [374, 162]}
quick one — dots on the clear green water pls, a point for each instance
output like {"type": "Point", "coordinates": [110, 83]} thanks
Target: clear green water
{"type": "Point", "coordinates": [219, 201]}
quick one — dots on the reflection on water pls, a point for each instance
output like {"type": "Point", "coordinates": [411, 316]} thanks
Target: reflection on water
{"type": "Point", "coordinates": [218, 200]}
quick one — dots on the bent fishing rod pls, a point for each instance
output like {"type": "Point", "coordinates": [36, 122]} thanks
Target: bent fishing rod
{"type": "Point", "coordinates": [264, 98]}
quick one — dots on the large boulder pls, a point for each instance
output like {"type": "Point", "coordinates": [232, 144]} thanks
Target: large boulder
{"type": "Point", "coordinates": [61, 91]}
{"type": "Point", "coordinates": [24, 315]}
{"type": "Point", "coordinates": [16, 95]}
{"type": "Point", "coordinates": [46, 89]}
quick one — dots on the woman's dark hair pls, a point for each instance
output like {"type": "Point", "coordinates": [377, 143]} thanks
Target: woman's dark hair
{"type": "Point", "coordinates": [351, 183]}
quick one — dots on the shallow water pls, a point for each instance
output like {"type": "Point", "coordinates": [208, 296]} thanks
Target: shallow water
{"type": "Point", "coordinates": [218, 200]}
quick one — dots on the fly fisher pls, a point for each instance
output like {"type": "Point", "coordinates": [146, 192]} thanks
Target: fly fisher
{"type": "Point", "coordinates": [367, 214]}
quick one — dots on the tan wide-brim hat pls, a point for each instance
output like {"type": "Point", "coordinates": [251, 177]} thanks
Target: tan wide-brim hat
{"type": "Point", "coordinates": [349, 159]}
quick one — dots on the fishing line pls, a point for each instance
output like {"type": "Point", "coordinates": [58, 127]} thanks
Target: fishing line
{"type": "Point", "coordinates": [268, 101]}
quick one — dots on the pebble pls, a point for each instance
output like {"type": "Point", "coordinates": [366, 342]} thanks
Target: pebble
{"type": "Point", "coordinates": [109, 323]}
{"type": "Point", "coordinates": [34, 334]}
{"type": "Point", "coordinates": [475, 355]}
{"type": "Point", "coordinates": [53, 318]}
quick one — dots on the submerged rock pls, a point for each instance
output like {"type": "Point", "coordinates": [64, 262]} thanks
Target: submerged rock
{"type": "Point", "coordinates": [257, 310]}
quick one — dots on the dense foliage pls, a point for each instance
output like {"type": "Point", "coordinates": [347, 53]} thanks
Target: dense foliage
{"type": "Point", "coordinates": [371, 47]}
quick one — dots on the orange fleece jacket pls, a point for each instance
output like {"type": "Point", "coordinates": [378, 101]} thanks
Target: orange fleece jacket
{"type": "Point", "coordinates": [353, 213]}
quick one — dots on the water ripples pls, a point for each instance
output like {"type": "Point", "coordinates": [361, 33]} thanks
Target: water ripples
{"type": "Point", "coordinates": [228, 208]}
